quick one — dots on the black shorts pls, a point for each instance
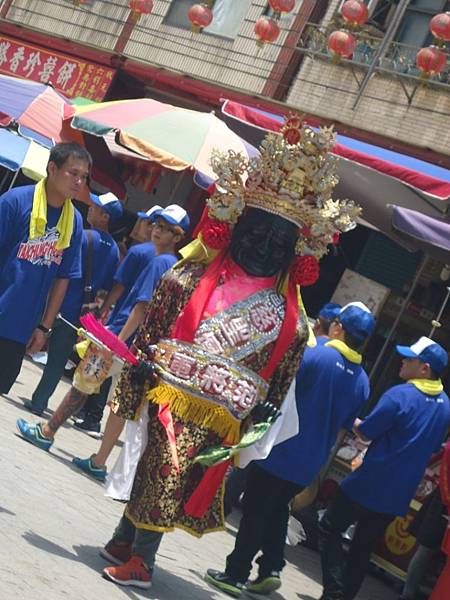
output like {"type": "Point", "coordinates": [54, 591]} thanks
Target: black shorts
{"type": "Point", "coordinates": [11, 357]}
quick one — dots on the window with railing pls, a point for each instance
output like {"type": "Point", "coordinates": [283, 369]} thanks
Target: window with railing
{"type": "Point", "coordinates": [399, 56]}
{"type": "Point", "coordinates": [413, 29]}
{"type": "Point", "coordinates": [228, 16]}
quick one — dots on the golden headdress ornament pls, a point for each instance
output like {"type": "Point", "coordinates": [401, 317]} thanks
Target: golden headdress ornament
{"type": "Point", "coordinates": [293, 177]}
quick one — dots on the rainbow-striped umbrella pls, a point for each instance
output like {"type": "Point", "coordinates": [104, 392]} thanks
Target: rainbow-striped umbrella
{"type": "Point", "coordinates": [174, 137]}
{"type": "Point", "coordinates": [37, 109]}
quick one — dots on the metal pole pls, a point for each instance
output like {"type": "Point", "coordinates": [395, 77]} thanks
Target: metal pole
{"type": "Point", "coordinates": [16, 174]}
{"type": "Point", "coordinates": [436, 322]}
{"type": "Point", "coordinates": [177, 185]}
{"type": "Point", "coordinates": [398, 317]}
{"type": "Point", "coordinates": [381, 50]}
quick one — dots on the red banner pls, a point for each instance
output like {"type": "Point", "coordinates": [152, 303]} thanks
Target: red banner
{"type": "Point", "coordinates": [67, 74]}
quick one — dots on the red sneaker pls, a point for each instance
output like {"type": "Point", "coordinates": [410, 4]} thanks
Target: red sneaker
{"type": "Point", "coordinates": [117, 554]}
{"type": "Point", "coordinates": [133, 572]}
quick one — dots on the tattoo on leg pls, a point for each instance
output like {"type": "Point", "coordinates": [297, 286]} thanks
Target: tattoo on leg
{"type": "Point", "coordinates": [73, 401]}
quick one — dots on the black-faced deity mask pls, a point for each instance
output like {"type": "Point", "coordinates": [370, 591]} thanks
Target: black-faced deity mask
{"type": "Point", "coordinates": [263, 244]}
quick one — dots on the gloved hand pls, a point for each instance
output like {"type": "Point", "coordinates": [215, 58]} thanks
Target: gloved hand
{"type": "Point", "coordinates": [263, 412]}
{"type": "Point", "coordinates": [143, 373]}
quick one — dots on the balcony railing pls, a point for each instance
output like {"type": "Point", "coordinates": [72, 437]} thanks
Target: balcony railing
{"type": "Point", "coordinates": [397, 59]}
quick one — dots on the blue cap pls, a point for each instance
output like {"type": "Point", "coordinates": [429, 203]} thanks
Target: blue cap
{"type": "Point", "coordinates": [175, 215]}
{"type": "Point", "coordinates": [109, 203]}
{"type": "Point", "coordinates": [330, 311]}
{"type": "Point", "coordinates": [428, 352]}
{"type": "Point", "coordinates": [151, 214]}
{"type": "Point", "coordinates": [357, 320]}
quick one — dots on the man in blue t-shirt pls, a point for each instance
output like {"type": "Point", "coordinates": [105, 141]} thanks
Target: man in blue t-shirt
{"type": "Point", "coordinates": [331, 388]}
{"type": "Point", "coordinates": [406, 427]}
{"type": "Point", "coordinates": [168, 230]}
{"type": "Point", "coordinates": [100, 258]}
{"type": "Point", "coordinates": [40, 251]}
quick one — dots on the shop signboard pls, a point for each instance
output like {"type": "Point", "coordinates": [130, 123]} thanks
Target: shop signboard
{"type": "Point", "coordinates": [67, 74]}
{"type": "Point", "coordinates": [355, 286]}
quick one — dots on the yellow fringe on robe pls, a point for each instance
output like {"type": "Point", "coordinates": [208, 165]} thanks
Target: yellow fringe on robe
{"type": "Point", "coordinates": [198, 411]}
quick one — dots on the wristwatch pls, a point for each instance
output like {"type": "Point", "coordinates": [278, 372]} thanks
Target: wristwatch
{"type": "Point", "coordinates": [45, 330]}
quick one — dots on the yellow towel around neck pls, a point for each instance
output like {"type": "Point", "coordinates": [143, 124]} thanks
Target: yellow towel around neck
{"type": "Point", "coordinates": [38, 219]}
{"type": "Point", "coordinates": [431, 387]}
{"type": "Point", "coordinates": [346, 351]}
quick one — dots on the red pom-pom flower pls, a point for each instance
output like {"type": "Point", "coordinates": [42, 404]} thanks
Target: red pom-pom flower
{"type": "Point", "coordinates": [216, 234]}
{"type": "Point", "coordinates": [305, 270]}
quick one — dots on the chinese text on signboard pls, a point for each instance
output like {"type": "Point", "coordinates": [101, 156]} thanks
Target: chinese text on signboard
{"type": "Point", "coordinates": [67, 74]}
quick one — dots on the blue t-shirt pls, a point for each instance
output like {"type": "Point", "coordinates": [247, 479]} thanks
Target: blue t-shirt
{"type": "Point", "coordinates": [105, 259]}
{"type": "Point", "coordinates": [136, 260]}
{"type": "Point", "coordinates": [406, 428]}
{"type": "Point", "coordinates": [143, 289]}
{"type": "Point", "coordinates": [29, 267]}
{"type": "Point", "coordinates": [330, 393]}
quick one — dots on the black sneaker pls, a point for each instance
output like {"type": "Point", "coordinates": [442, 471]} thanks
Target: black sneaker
{"type": "Point", "coordinates": [223, 582]}
{"type": "Point", "coordinates": [29, 406]}
{"type": "Point", "coordinates": [264, 585]}
{"type": "Point", "coordinates": [90, 427]}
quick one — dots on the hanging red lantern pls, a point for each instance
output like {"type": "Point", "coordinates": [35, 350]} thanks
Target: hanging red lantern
{"type": "Point", "coordinates": [430, 61]}
{"type": "Point", "coordinates": [266, 30]}
{"type": "Point", "coordinates": [282, 6]}
{"type": "Point", "coordinates": [141, 7]}
{"type": "Point", "coordinates": [341, 44]}
{"type": "Point", "coordinates": [440, 26]}
{"type": "Point", "coordinates": [200, 16]}
{"type": "Point", "coordinates": [355, 12]}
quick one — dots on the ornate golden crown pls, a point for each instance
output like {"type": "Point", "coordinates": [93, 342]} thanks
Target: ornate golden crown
{"type": "Point", "coordinates": [293, 177]}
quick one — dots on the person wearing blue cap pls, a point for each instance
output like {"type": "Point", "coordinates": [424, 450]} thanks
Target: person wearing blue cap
{"type": "Point", "coordinates": [326, 315]}
{"type": "Point", "coordinates": [331, 389]}
{"type": "Point", "coordinates": [136, 260]}
{"type": "Point", "coordinates": [405, 428]}
{"type": "Point", "coordinates": [99, 260]}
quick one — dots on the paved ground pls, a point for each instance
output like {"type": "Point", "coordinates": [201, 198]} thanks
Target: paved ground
{"type": "Point", "coordinates": [53, 520]}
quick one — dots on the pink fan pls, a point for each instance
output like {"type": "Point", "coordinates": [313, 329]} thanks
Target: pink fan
{"type": "Point", "coordinates": [108, 338]}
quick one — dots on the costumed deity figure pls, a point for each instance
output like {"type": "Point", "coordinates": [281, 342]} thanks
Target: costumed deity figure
{"type": "Point", "coordinates": [225, 331]}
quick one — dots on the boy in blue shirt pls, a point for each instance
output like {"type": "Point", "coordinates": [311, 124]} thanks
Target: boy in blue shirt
{"type": "Point", "coordinates": [167, 232]}
{"type": "Point", "coordinates": [331, 389]}
{"type": "Point", "coordinates": [136, 261]}
{"type": "Point", "coordinates": [406, 427]}
{"type": "Point", "coordinates": [40, 251]}
{"type": "Point", "coordinates": [100, 258]}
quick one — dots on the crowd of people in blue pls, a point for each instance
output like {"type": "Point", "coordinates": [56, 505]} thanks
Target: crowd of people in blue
{"type": "Point", "coordinates": [49, 264]}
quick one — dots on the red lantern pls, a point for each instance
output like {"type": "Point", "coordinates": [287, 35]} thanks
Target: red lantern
{"type": "Point", "coordinates": [341, 44]}
{"type": "Point", "coordinates": [200, 15]}
{"type": "Point", "coordinates": [141, 7]}
{"type": "Point", "coordinates": [440, 26]}
{"type": "Point", "coordinates": [266, 30]}
{"type": "Point", "coordinates": [354, 12]}
{"type": "Point", "coordinates": [430, 61]}
{"type": "Point", "coordinates": [282, 6]}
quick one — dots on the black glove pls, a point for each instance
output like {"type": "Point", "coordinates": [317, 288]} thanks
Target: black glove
{"type": "Point", "coordinates": [263, 412]}
{"type": "Point", "coordinates": [143, 373]}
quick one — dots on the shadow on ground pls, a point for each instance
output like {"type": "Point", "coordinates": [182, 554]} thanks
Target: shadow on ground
{"type": "Point", "coordinates": [166, 585]}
